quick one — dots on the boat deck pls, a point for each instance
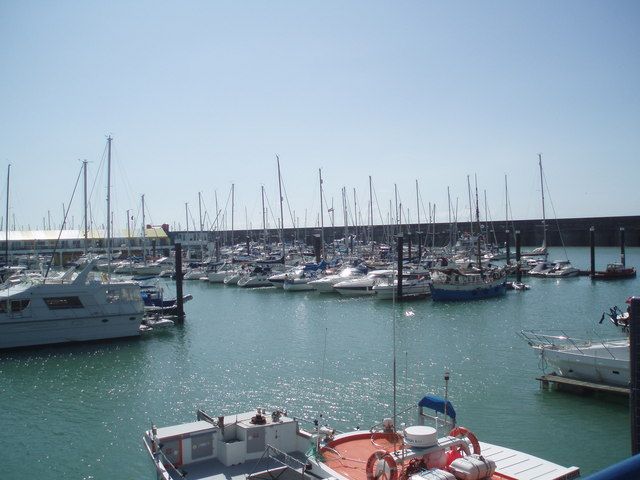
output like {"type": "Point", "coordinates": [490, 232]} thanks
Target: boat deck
{"type": "Point", "coordinates": [215, 470]}
{"type": "Point", "coordinates": [512, 464]}
{"type": "Point", "coordinates": [348, 459]}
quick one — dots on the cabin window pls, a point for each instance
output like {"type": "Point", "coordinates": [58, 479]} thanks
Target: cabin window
{"type": "Point", "coordinates": [16, 305]}
{"type": "Point", "coordinates": [58, 303]}
{"type": "Point", "coordinates": [122, 294]}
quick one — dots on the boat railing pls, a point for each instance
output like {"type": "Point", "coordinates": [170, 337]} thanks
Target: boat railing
{"type": "Point", "coordinates": [161, 461]}
{"type": "Point", "coordinates": [282, 458]}
{"type": "Point", "coordinates": [553, 339]}
{"type": "Point", "coordinates": [559, 339]}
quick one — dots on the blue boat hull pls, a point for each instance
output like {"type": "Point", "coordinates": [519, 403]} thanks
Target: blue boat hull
{"type": "Point", "coordinates": [445, 293]}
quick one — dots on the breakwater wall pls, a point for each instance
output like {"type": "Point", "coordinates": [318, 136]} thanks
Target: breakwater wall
{"type": "Point", "coordinates": [573, 232]}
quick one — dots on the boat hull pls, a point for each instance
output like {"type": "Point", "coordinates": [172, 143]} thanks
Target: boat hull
{"type": "Point", "coordinates": [599, 364]}
{"type": "Point", "coordinates": [64, 330]}
{"type": "Point", "coordinates": [445, 292]}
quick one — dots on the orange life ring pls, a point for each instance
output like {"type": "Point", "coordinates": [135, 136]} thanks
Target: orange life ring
{"type": "Point", "coordinates": [463, 432]}
{"type": "Point", "coordinates": [388, 459]}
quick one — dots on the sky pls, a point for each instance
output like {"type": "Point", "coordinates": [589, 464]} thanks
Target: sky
{"type": "Point", "coordinates": [202, 95]}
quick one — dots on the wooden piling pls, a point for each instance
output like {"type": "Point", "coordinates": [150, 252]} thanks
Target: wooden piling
{"type": "Point", "coordinates": [179, 294]}
{"type": "Point", "coordinates": [400, 241]}
{"type": "Point", "coordinates": [419, 246]}
{"type": "Point", "coordinates": [622, 256]}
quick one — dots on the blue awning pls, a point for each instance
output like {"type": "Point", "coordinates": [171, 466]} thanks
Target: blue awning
{"type": "Point", "coordinates": [438, 404]}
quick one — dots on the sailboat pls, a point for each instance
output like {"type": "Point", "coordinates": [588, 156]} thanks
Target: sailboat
{"type": "Point", "coordinates": [455, 284]}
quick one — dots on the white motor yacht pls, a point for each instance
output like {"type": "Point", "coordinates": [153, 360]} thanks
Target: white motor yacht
{"type": "Point", "coordinates": [363, 285]}
{"type": "Point", "coordinates": [413, 286]}
{"type": "Point", "coordinates": [257, 277]}
{"type": "Point", "coordinates": [562, 269]}
{"type": "Point", "coordinates": [325, 284]}
{"type": "Point", "coordinates": [592, 360]}
{"type": "Point", "coordinates": [81, 309]}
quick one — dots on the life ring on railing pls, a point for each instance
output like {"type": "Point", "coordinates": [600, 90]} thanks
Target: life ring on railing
{"type": "Point", "coordinates": [464, 432]}
{"type": "Point", "coordinates": [390, 463]}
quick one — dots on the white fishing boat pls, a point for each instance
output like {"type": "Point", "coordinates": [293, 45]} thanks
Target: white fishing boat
{"type": "Point", "coordinates": [604, 361]}
{"type": "Point", "coordinates": [82, 309]}
{"type": "Point", "coordinates": [267, 445]}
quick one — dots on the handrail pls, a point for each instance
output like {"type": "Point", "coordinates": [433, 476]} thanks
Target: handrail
{"type": "Point", "coordinates": [543, 340]}
{"type": "Point", "coordinates": [287, 460]}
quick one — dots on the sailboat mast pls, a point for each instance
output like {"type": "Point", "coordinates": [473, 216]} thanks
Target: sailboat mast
{"type": "Point", "coordinates": [233, 198]}
{"type": "Point", "coordinates": [144, 235]}
{"type": "Point", "coordinates": [109, 204]}
{"type": "Point", "coordinates": [321, 216]}
{"type": "Point", "coordinates": [478, 220]}
{"type": "Point", "coordinates": [344, 211]}
{"type": "Point", "coordinates": [264, 219]}
{"type": "Point", "coordinates": [418, 204]}
{"type": "Point", "coordinates": [371, 211]}
{"type": "Point", "coordinates": [281, 209]}
{"type": "Point", "coordinates": [450, 224]}
{"type": "Point", "coordinates": [506, 204]}
{"type": "Point", "coordinates": [470, 207]}
{"type": "Point", "coordinates": [6, 218]}
{"type": "Point", "coordinates": [86, 227]}
{"type": "Point", "coordinates": [544, 218]}
{"type": "Point", "coordinates": [355, 212]}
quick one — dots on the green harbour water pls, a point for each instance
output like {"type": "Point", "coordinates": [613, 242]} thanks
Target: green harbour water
{"type": "Point", "coordinates": [79, 411]}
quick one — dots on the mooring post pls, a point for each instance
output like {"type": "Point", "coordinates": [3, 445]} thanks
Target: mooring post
{"type": "Point", "coordinates": [634, 357]}
{"type": "Point", "coordinates": [622, 259]}
{"type": "Point", "coordinates": [419, 247]}
{"type": "Point", "coordinates": [592, 246]}
{"type": "Point", "coordinates": [409, 245]}
{"type": "Point", "coordinates": [400, 260]}
{"type": "Point", "coordinates": [507, 246]}
{"type": "Point", "coordinates": [179, 296]}
{"type": "Point", "coordinates": [518, 270]}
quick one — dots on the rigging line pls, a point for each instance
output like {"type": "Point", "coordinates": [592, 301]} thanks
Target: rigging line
{"type": "Point", "coordinates": [286, 197]}
{"type": "Point", "coordinates": [270, 210]}
{"type": "Point", "coordinates": [100, 172]}
{"type": "Point", "coordinates": [564, 248]}
{"type": "Point", "coordinates": [64, 221]}
{"type": "Point", "coordinates": [120, 166]}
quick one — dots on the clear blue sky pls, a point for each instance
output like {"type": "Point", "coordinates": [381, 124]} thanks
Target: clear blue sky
{"type": "Point", "coordinates": [200, 95]}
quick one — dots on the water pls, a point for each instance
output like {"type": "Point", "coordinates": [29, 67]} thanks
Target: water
{"type": "Point", "coordinates": [79, 411]}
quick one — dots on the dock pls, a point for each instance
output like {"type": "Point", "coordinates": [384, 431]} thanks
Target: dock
{"type": "Point", "coordinates": [579, 386]}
